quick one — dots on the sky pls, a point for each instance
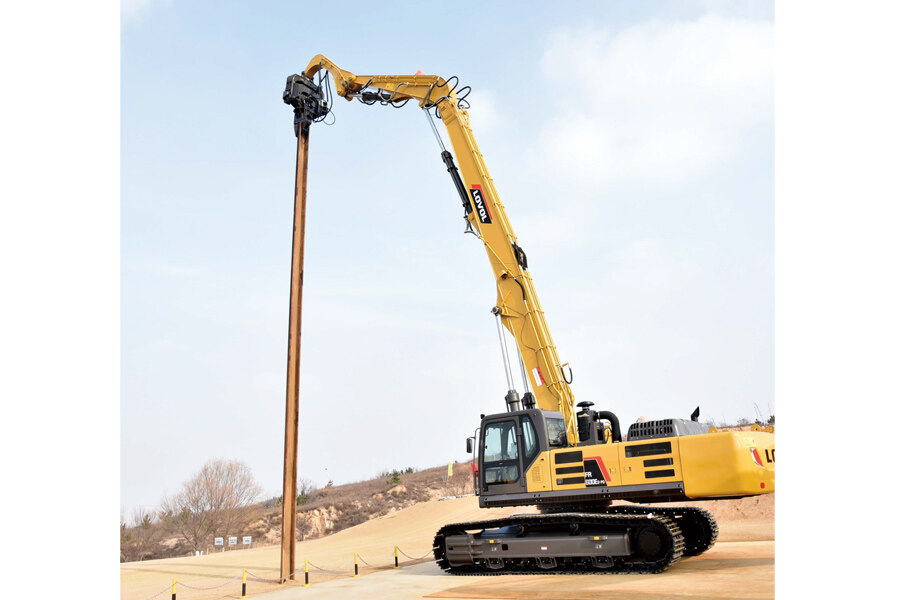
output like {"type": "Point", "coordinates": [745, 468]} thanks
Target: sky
{"type": "Point", "coordinates": [631, 143]}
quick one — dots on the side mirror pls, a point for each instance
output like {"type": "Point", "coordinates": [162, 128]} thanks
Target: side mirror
{"type": "Point", "coordinates": [468, 445]}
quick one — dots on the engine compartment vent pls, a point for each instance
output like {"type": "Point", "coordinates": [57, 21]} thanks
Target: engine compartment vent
{"type": "Point", "coordinates": [664, 428]}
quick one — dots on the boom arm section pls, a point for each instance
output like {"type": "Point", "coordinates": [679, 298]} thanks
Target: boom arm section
{"type": "Point", "coordinates": [517, 300]}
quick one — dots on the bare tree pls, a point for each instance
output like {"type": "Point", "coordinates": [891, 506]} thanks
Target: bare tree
{"type": "Point", "coordinates": [215, 502]}
{"type": "Point", "coordinates": [307, 487]}
{"type": "Point", "coordinates": [759, 417]}
{"type": "Point", "coordinates": [138, 538]}
{"type": "Point", "coordinates": [124, 536]}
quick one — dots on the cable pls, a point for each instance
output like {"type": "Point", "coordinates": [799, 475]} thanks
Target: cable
{"type": "Point", "coordinates": [367, 563]}
{"type": "Point", "coordinates": [379, 97]}
{"type": "Point", "coordinates": [447, 95]}
{"type": "Point", "coordinates": [256, 577]}
{"type": "Point", "coordinates": [165, 589]}
{"type": "Point", "coordinates": [430, 552]}
{"type": "Point", "coordinates": [181, 583]}
{"type": "Point", "coordinates": [334, 570]}
{"type": "Point", "coordinates": [323, 79]}
{"type": "Point", "coordinates": [460, 97]}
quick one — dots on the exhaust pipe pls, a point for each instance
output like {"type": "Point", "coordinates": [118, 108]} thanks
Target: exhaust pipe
{"type": "Point", "coordinates": [613, 421]}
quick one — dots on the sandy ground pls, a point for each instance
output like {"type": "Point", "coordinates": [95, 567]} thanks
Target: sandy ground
{"type": "Point", "coordinates": [740, 565]}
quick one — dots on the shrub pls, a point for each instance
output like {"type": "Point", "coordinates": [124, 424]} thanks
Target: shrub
{"type": "Point", "coordinates": [307, 487]}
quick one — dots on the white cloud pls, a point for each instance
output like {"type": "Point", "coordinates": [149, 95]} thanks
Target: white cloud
{"type": "Point", "coordinates": [743, 8]}
{"type": "Point", "coordinates": [657, 103]}
{"type": "Point", "coordinates": [132, 10]}
{"type": "Point", "coordinates": [485, 114]}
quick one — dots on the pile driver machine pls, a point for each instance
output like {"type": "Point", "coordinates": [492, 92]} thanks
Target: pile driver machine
{"type": "Point", "coordinates": [569, 460]}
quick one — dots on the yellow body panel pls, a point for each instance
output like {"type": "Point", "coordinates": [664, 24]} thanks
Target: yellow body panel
{"type": "Point", "coordinates": [607, 465]}
{"type": "Point", "coordinates": [609, 455]}
{"type": "Point", "coordinates": [642, 469]}
{"type": "Point", "coordinates": [538, 477]}
{"type": "Point", "coordinates": [564, 472]}
{"type": "Point", "coordinates": [722, 464]}
{"type": "Point", "coordinates": [711, 465]}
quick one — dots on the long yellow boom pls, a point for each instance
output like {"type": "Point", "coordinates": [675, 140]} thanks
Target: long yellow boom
{"type": "Point", "coordinates": [518, 306]}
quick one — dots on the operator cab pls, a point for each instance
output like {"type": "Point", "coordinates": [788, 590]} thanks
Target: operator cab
{"type": "Point", "coordinates": [507, 445]}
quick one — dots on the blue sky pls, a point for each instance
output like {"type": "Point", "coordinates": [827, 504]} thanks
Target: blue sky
{"type": "Point", "coordinates": [632, 144]}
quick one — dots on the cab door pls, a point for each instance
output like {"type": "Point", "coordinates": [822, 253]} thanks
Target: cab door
{"type": "Point", "coordinates": [501, 457]}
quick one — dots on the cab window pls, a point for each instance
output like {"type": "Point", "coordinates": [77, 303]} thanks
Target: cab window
{"type": "Point", "coordinates": [556, 433]}
{"type": "Point", "coordinates": [501, 453]}
{"type": "Point", "coordinates": [529, 439]}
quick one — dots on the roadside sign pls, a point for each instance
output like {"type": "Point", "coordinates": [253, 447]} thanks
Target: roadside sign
{"type": "Point", "coordinates": [219, 542]}
{"type": "Point", "coordinates": [232, 541]}
{"type": "Point", "coordinates": [248, 539]}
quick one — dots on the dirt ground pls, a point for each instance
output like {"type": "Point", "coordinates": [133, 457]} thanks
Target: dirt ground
{"type": "Point", "coordinates": [740, 565]}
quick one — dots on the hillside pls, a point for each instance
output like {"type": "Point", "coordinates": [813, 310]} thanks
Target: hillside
{"type": "Point", "coordinates": [325, 511]}
{"type": "Point", "coordinates": [335, 508]}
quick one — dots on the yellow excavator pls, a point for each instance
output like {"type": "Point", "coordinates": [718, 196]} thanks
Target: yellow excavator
{"type": "Point", "coordinates": [570, 461]}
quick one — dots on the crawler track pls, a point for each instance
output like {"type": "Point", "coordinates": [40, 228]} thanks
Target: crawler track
{"type": "Point", "coordinates": [698, 526]}
{"type": "Point", "coordinates": [669, 533]}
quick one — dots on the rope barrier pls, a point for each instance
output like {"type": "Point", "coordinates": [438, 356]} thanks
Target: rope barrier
{"type": "Point", "coordinates": [367, 563]}
{"type": "Point", "coordinates": [429, 553]}
{"type": "Point", "coordinates": [215, 587]}
{"type": "Point", "coordinates": [256, 577]}
{"type": "Point", "coordinates": [160, 593]}
{"type": "Point", "coordinates": [339, 570]}
{"type": "Point", "coordinates": [334, 570]}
